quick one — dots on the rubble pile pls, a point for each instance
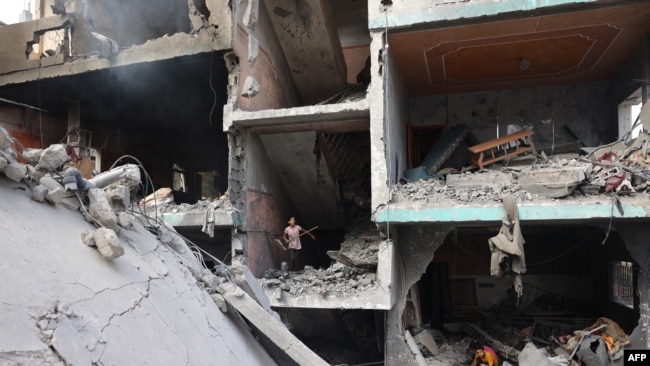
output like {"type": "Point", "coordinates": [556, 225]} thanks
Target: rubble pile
{"type": "Point", "coordinates": [48, 174]}
{"type": "Point", "coordinates": [620, 169]}
{"type": "Point", "coordinates": [338, 280]}
{"type": "Point", "coordinates": [352, 270]}
{"type": "Point", "coordinates": [361, 242]}
{"type": "Point", "coordinates": [72, 304]}
{"type": "Point", "coordinates": [539, 343]}
{"type": "Point", "coordinates": [451, 353]}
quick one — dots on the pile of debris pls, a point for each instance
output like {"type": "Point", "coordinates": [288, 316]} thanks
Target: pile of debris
{"type": "Point", "coordinates": [360, 245]}
{"type": "Point", "coordinates": [352, 271]}
{"type": "Point", "coordinates": [50, 177]}
{"type": "Point", "coordinates": [542, 343]}
{"type": "Point", "coordinates": [336, 281]}
{"type": "Point", "coordinates": [621, 168]}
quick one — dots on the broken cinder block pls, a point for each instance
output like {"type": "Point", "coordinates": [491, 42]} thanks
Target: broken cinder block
{"type": "Point", "coordinates": [101, 209]}
{"type": "Point", "coordinates": [124, 220]}
{"type": "Point", "coordinates": [39, 192]}
{"type": "Point", "coordinates": [15, 171]}
{"type": "Point", "coordinates": [55, 195]}
{"type": "Point", "coordinates": [106, 241]}
{"type": "Point", "coordinates": [53, 157]}
{"type": "Point", "coordinates": [32, 155]}
{"type": "Point", "coordinates": [220, 301]}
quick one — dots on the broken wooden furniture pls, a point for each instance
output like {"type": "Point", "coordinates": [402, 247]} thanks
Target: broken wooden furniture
{"type": "Point", "coordinates": [490, 152]}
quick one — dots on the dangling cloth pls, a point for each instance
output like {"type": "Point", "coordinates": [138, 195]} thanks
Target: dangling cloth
{"type": "Point", "coordinates": [507, 246]}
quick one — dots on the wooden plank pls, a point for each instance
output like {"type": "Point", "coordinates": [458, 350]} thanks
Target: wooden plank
{"type": "Point", "coordinates": [270, 327]}
{"type": "Point", "coordinates": [414, 349]}
{"type": "Point", "coordinates": [500, 141]}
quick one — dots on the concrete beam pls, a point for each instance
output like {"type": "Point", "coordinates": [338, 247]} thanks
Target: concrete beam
{"type": "Point", "coordinates": [594, 209]}
{"type": "Point", "coordinates": [179, 44]}
{"type": "Point", "coordinates": [309, 39]}
{"type": "Point", "coordinates": [270, 327]}
{"type": "Point", "coordinates": [190, 219]}
{"type": "Point", "coordinates": [374, 299]}
{"type": "Point", "coordinates": [406, 14]}
{"type": "Point", "coordinates": [345, 115]}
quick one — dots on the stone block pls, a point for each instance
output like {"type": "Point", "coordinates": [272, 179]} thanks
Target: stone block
{"type": "Point", "coordinates": [55, 195]}
{"type": "Point", "coordinates": [211, 281]}
{"type": "Point", "coordinates": [53, 157]}
{"type": "Point", "coordinates": [220, 301]}
{"type": "Point", "coordinates": [108, 243]}
{"type": "Point", "coordinates": [32, 155]}
{"type": "Point", "coordinates": [119, 196]}
{"type": "Point", "coordinates": [124, 220]}
{"type": "Point", "coordinates": [39, 192]}
{"type": "Point", "coordinates": [485, 180]}
{"type": "Point", "coordinates": [15, 171]}
{"type": "Point", "coordinates": [71, 203]}
{"type": "Point", "coordinates": [50, 182]}
{"type": "Point", "coordinates": [101, 209]}
{"type": "Point", "coordinates": [552, 183]}
{"type": "Point", "coordinates": [5, 139]}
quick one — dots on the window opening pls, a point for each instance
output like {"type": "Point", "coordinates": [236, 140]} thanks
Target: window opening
{"type": "Point", "coordinates": [628, 111]}
{"type": "Point", "coordinates": [622, 283]}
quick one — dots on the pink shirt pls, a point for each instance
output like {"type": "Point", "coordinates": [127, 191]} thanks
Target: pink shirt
{"type": "Point", "coordinates": [294, 236]}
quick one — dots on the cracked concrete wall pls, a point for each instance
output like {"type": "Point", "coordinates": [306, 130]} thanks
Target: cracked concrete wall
{"type": "Point", "coordinates": [261, 57]}
{"type": "Point", "coordinates": [414, 250]}
{"type": "Point", "coordinates": [66, 304]}
{"type": "Point", "coordinates": [550, 112]}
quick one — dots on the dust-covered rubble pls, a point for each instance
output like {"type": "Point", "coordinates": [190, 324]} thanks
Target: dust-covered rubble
{"type": "Point", "coordinates": [622, 168]}
{"type": "Point", "coordinates": [488, 186]}
{"type": "Point", "coordinates": [337, 280]}
{"type": "Point", "coordinates": [360, 244]}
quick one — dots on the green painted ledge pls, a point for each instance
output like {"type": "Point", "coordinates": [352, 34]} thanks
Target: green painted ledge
{"type": "Point", "coordinates": [422, 15]}
{"type": "Point", "coordinates": [191, 219]}
{"type": "Point", "coordinates": [546, 212]}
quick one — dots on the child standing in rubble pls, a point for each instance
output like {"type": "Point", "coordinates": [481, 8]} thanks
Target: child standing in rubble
{"type": "Point", "coordinates": [292, 238]}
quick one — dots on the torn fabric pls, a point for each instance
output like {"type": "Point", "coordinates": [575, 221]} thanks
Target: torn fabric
{"type": "Point", "coordinates": [507, 246]}
{"type": "Point", "coordinates": [208, 219]}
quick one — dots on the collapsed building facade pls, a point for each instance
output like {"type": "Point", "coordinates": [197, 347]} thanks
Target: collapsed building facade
{"type": "Point", "coordinates": [359, 117]}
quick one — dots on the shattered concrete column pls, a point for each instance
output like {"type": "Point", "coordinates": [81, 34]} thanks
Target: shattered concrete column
{"type": "Point", "coordinates": [635, 236]}
{"type": "Point", "coordinates": [250, 21]}
{"type": "Point", "coordinates": [414, 250]}
{"type": "Point", "coordinates": [378, 158]}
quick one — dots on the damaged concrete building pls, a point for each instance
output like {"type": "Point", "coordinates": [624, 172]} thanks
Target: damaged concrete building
{"type": "Point", "coordinates": [472, 167]}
